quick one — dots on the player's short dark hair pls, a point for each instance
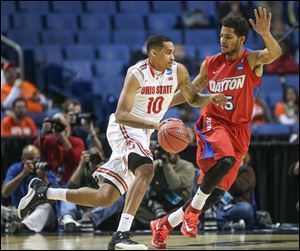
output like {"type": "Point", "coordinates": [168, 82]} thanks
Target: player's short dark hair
{"type": "Point", "coordinates": [239, 24]}
{"type": "Point", "coordinates": [156, 41]}
{"type": "Point", "coordinates": [19, 99]}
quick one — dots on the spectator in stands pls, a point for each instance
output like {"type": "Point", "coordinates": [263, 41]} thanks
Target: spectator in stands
{"type": "Point", "coordinates": [287, 112]}
{"type": "Point", "coordinates": [173, 182]}
{"type": "Point", "coordinates": [190, 63]}
{"type": "Point", "coordinates": [232, 8]}
{"type": "Point", "coordinates": [82, 125]}
{"type": "Point", "coordinates": [294, 172]}
{"type": "Point", "coordinates": [286, 63]}
{"type": "Point", "coordinates": [72, 215]}
{"type": "Point", "coordinates": [193, 19]}
{"type": "Point", "coordinates": [261, 112]}
{"type": "Point", "coordinates": [17, 123]}
{"type": "Point", "coordinates": [16, 87]}
{"type": "Point", "coordinates": [15, 186]}
{"type": "Point", "coordinates": [237, 204]}
{"type": "Point", "coordinates": [58, 147]}
{"type": "Point", "coordinates": [138, 55]}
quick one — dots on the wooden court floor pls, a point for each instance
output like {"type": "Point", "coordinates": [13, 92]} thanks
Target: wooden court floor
{"type": "Point", "coordinates": [207, 241]}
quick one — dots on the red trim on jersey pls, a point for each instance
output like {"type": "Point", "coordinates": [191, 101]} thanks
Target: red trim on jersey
{"type": "Point", "coordinates": [152, 72]}
{"type": "Point", "coordinates": [139, 145]}
{"type": "Point", "coordinates": [114, 175]}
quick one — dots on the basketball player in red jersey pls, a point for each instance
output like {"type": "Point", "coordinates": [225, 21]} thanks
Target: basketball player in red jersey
{"type": "Point", "coordinates": [223, 136]}
{"type": "Point", "coordinates": [148, 90]}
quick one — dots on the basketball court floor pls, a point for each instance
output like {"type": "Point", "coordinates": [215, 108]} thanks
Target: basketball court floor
{"type": "Point", "coordinates": [207, 241]}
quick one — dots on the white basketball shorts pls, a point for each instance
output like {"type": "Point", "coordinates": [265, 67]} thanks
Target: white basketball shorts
{"type": "Point", "coordinates": [123, 140]}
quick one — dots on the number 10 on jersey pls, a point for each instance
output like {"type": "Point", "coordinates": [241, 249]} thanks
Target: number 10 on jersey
{"type": "Point", "coordinates": [155, 104]}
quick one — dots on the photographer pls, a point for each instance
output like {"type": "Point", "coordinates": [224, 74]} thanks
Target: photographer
{"type": "Point", "coordinates": [58, 147]}
{"type": "Point", "coordinates": [82, 177]}
{"type": "Point", "coordinates": [15, 186]}
{"type": "Point", "coordinates": [172, 184]}
{"type": "Point", "coordinates": [82, 124]}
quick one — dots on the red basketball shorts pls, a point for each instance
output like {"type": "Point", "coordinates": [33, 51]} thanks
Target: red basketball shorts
{"type": "Point", "coordinates": [216, 140]}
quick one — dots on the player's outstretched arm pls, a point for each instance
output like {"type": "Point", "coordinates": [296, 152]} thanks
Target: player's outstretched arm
{"type": "Point", "coordinates": [126, 102]}
{"type": "Point", "coordinates": [262, 27]}
{"type": "Point", "coordinates": [189, 91]}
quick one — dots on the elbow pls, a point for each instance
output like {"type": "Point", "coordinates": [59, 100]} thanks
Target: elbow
{"type": "Point", "coordinates": [120, 118]}
{"type": "Point", "coordinates": [4, 193]}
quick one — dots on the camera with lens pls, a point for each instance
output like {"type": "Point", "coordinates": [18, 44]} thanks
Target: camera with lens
{"type": "Point", "coordinates": [158, 152]}
{"type": "Point", "coordinates": [56, 124]}
{"type": "Point", "coordinates": [95, 158]}
{"type": "Point", "coordinates": [89, 116]}
{"type": "Point", "coordinates": [44, 166]}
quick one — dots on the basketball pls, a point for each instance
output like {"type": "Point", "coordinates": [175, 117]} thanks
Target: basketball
{"type": "Point", "coordinates": [174, 136]}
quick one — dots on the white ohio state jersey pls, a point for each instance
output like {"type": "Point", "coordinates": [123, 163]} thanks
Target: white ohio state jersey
{"type": "Point", "coordinates": [156, 91]}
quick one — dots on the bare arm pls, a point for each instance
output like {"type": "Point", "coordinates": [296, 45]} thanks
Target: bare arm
{"type": "Point", "coordinates": [11, 186]}
{"type": "Point", "coordinates": [199, 84]}
{"type": "Point", "coordinates": [262, 27]}
{"type": "Point", "coordinates": [76, 176]}
{"type": "Point", "coordinates": [125, 104]}
{"type": "Point", "coordinates": [189, 91]}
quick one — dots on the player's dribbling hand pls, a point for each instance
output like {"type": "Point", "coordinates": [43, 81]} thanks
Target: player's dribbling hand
{"type": "Point", "coordinates": [263, 21]}
{"type": "Point", "coordinates": [165, 121]}
{"type": "Point", "coordinates": [219, 99]}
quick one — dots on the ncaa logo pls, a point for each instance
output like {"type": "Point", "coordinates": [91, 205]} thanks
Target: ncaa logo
{"type": "Point", "coordinates": [169, 71]}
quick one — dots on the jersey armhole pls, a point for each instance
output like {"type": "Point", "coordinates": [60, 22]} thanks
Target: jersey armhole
{"type": "Point", "coordinates": [139, 76]}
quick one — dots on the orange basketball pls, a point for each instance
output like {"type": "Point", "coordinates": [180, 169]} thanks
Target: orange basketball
{"type": "Point", "coordinates": [174, 136]}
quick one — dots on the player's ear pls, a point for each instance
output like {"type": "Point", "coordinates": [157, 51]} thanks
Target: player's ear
{"type": "Point", "coordinates": [243, 39]}
{"type": "Point", "coordinates": [153, 52]}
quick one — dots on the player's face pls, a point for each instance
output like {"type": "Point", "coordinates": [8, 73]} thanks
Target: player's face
{"type": "Point", "coordinates": [165, 56]}
{"type": "Point", "coordinates": [230, 42]}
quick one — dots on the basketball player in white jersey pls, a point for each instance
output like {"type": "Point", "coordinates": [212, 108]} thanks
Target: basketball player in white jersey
{"type": "Point", "coordinates": [147, 92]}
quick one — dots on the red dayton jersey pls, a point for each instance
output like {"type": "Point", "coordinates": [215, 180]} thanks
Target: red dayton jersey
{"type": "Point", "coordinates": [236, 80]}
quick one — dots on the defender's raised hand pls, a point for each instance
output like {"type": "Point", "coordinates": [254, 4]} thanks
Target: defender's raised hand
{"type": "Point", "coordinates": [263, 21]}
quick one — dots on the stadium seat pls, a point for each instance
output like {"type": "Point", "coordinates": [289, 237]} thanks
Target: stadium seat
{"type": "Point", "coordinates": [174, 35]}
{"type": "Point", "coordinates": [129, 37]}
{"type": "Point", "coordinates": [95, 22]}
{"type": "Point", "coordinates": [82, 68]}
{"type": "Point", "coordinates": [208, 7]}
{"type": "Point", "coordinates": [271, 129]}
{"type": "Point", "coordinates": [61, 22]}
{"type": "Point", "coordinates": [80, 52]}
{"type": "Point", "coordinates": [74, 7]}
{"type": "Point", "coordinates": [25, 38]}
{"type": "Point", "coordinates": [190, 50]}
{"type": "Point", "coordinates": [167, 6]}
{"type": "Point", "coordinates": [48, 53]}
{"type": "Point", "coordinates": [162, 21]}
{"type": "Point", "coordinates": [273, 97]}
{"type": "Point", "coordinates": [109, 67]}
{"type": "Point", "coordinates": [40, 7]}
{"type": "Point", "coordinates": [141, 7]}
{"type": "Point", "coordinates": [172, 112]}
{"type": "Point", "coordinates": [28, 21]}
{"type": "Point", "coordinates": [8, 7]}
{"type": "Point", "coordinates": [293, 79]}
{"type": "Point", "coordinates": [201, 37]}
{"type": "Point", "coordinates": [129, 22]}
{"type": "Point", "coordinates": [94, 37]}
{"type": "Point", "coordinates": [58, 37]}
{"type": "Point", "coordinates": [114, 51]}
{"type": "Point", "coordinates": [207, 50]}
{"type": "Point", "coordinates": [270, 83]}
{"type": "Point", "coordinates": [102, 7]}
{"type": "Point", "coordinates": [107, 85]}
{"type": "Point", "coordinates": [5, 23]}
